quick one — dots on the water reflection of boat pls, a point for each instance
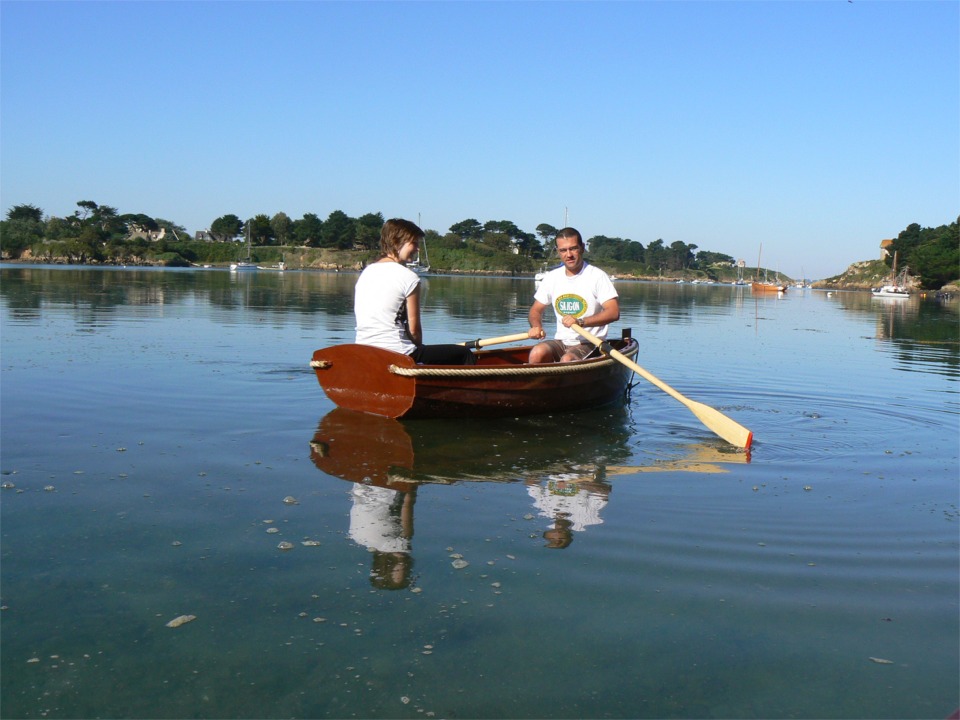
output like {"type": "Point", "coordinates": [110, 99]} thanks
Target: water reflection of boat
{"type": "Point", "coordinates": [388, 462]}
{"type": "Point", "coordinates": [501, 384]}
{"type": "Point", "coordinates": [391, 453]}
{"type": "Point", "coordinates": [400, 455]}
{"type": "Point", "coordinates": [566, 474]}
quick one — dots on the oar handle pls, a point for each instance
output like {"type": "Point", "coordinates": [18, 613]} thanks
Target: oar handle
{"type": "Point", "coordinates": [495, 341]}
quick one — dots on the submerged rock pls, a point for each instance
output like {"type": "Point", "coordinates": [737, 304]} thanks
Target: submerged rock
{"type": "Point", "coordinates": [181, 620]}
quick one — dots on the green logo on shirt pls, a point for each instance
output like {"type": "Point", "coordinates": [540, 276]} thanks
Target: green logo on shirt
{"type": "Point", "coordinates": [571, 305]}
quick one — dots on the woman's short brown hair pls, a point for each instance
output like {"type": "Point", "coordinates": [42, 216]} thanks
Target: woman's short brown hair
{"type": "Point", "coordinates": [395, 233]}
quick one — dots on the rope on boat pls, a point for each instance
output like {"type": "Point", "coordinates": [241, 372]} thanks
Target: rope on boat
{"type": "Point", "coordinates": [538, 369]}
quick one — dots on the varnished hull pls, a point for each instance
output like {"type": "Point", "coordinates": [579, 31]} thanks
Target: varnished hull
{"type": "Point", "coordinates": [501, 384]}
{"type": "Point", "coordinates": [767, 287]}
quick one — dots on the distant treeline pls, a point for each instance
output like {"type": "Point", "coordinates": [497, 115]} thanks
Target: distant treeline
{"type": "Point", "coordinates": [933, 254]}
{"type": "Point", "coordinates": [100, 234]}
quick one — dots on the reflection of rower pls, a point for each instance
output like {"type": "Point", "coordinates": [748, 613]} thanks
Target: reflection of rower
{"type": "Point", "coordinates": [375, 453]}
{"type": "Point", "coordinates": [381, 520]}
{"type": "Point", "coordinates": [572, 500]}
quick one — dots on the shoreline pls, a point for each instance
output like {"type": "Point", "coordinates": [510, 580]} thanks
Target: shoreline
{"type": "Point", "coordinates": [839, 285]}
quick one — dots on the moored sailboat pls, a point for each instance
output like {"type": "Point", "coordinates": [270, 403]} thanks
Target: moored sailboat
{"type": "Point", "coordinates": [421, 265]}
{"type": "Point", "coordinates": [896, 288]}
{"type": "Point", "coordinates": [247, 263]}
{"type": "Point", "coordinates": [765, 286]}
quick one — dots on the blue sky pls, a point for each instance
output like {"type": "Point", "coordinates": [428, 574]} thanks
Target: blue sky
{"type": "Point", "coordinates": [815, 128]}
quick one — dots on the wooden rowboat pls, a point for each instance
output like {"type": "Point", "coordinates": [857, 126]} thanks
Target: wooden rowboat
{"type": "Point", "coordinates": [501, 384]}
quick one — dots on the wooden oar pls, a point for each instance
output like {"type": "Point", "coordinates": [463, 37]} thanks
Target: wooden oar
{"type": "Point", "coordinates": [731, 431]}
{"type": "Point", "coordinates": [495, 341]}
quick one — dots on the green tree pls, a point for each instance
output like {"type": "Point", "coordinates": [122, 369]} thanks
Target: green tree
{"type": "Point", "coordinates": [450, 241]}
{"type": "Point", "coordinates": [680, 255]}
{"type": "Point", "coordinates": [25, 212]}
{"type": "Point", "coordinates": [308, 230]}
{"type": "Point", "coordinates": [499, 241]}
{"type": "Point", "coordinates": [339, 231]}
{"type": "Point", "coordinates": [19, 234]}
{"type": "Point", "coordinates": [261, 233]}
{"type": "Point", "coordinates": [528, 245]}
{"type": "Point", "coordinates": [501, 226]}
{"type": "Point", "coordinates": [282, 227]}
{"type": "Point", "coordinates": [57, 228]}
{"type": "Point", "coordinates": [933, 254]}
{"type": "Point", "coordinates": [87, 208]}
{"type": "Point", "coordinates": [367, 231]}
{"type": "Point", "coordinates": [88, 247]}
{"type": "Point", "coordinates": [606, 249]}
{"type": "Point", "coordinates": [547, 233]}
{"type": "Point", "coordinates": [603, 248]}
{"type": "Point", "coordinates": [139, 223]}
{"type": "Point", "coordinates": [226, 227]}
{"type": "Point", "coordinates": [137, 249]}
{"type": "Point", "coordinates": [469, 229]}
{"type": "Point", "coordinates": [634, 252]}
{"type": "Point", "coordinates": [108, 221]}
{"type": "Point", "coordinates": [22, 229]}
{"type": "Point", "coordinates": [706, 258]}
{"type": "Point", "coordinates": [657, 257]}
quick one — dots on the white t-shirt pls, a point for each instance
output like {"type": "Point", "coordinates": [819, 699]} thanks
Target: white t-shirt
{"type": "Point", "coordinates": [580, 295]}
{"type": "Point", "coordinates": [560, 495]}
{"type": "Point", "coordinates": [372, 522]}
{"type": "Point", "coordinates": [377, 297]}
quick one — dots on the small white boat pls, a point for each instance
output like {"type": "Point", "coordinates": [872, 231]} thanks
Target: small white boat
{"type": "Point", "coordinates": [421, 266]}
{"type": "Point", "coordinates": [538, 278]}
{"type": "Point", "coordinates": [896, 288]}
{"type": "Point", "coordinates": [890, 291]}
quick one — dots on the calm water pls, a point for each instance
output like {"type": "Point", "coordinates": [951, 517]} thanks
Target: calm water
{"type": "Point", "coordinates": [622, 562]}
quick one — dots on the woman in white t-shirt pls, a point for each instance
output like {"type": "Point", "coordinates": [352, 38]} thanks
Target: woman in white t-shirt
{"type": "Point", "coordinates": [387, 301]}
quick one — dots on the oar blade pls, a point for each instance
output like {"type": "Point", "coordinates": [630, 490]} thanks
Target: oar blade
{"type": "Point", "coordinates": [730, 430]}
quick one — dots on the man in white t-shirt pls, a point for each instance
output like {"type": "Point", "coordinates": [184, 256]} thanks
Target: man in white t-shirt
{"type": "Point", "coordinates": [580, 294]}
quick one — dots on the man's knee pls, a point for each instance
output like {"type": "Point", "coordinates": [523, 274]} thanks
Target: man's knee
{"type": "Point", "coordinates": [540, 353]}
